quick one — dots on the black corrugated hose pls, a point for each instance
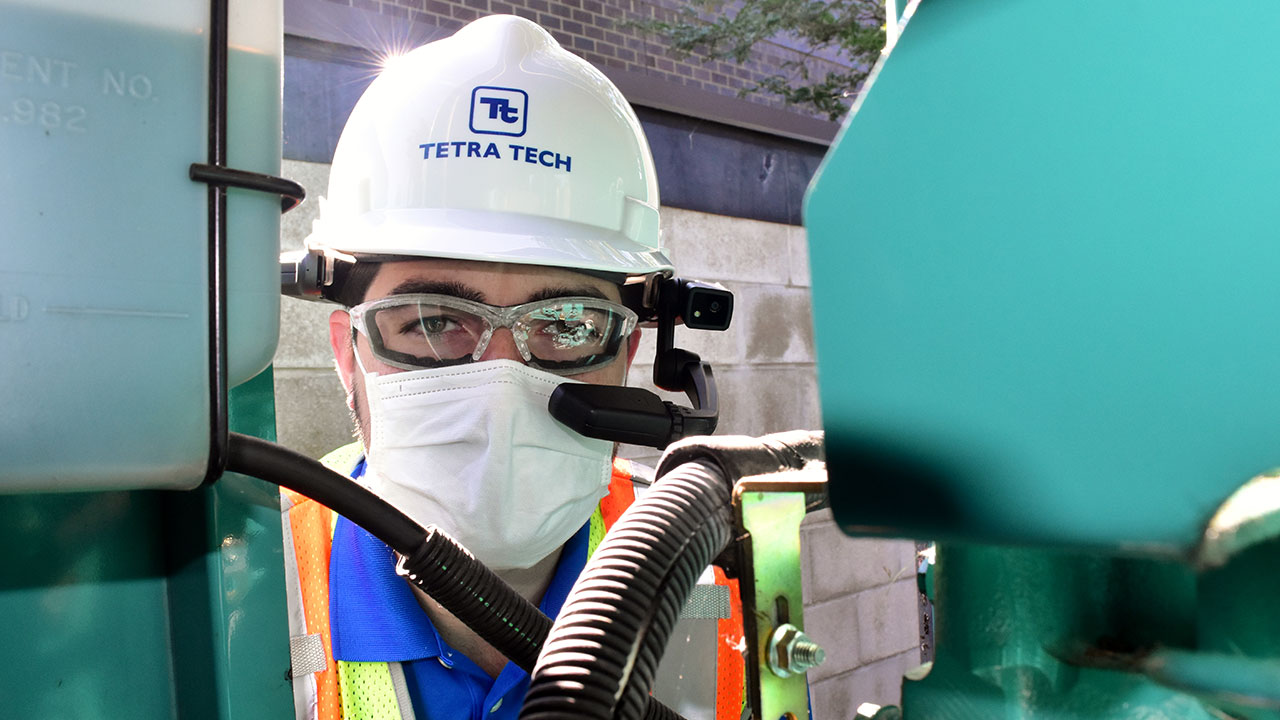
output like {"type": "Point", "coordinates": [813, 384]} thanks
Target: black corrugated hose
{"type": "Point", "coordinates": [603, 652]}
{"type": "Point", "coordinates": [434, 561]}
{"type": "Point", "coordinates": [602, 656]}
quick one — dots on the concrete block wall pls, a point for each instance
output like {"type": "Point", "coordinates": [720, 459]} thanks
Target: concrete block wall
{"type": "Point", "coordinates": [860, 594]}
{"type": "Point", "coordinates": [311, 409]}
{"type": "Point", "coordinates": [764, 364]}
{"type": "Point", "coordinates": [860, 600]}
{"type": "Point", "coordinates": [861, 605]}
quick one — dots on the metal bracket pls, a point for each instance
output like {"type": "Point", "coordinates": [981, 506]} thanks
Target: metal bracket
{"type": "Point", "coordinates": [219, 177]}
{"type": "Point", "coordinates": [767, 516]}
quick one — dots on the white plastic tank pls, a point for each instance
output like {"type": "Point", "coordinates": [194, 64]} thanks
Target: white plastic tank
{"type": "Point", "coordinates": [104, 376]}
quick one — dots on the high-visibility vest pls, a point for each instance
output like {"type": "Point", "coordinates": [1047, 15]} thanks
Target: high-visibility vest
{"type": "Point", "coordinates": [325, 689]}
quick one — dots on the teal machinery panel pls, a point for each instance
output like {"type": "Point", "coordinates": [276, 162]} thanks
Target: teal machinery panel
{"type": "Point", "coordinates": [104, 327]}
{"type": "Point", "coordinates": [121, 601]}
{"type": "Point", "coordinates": [1045, 255]}
{"type": "Point", "coordinates": [146, 604]}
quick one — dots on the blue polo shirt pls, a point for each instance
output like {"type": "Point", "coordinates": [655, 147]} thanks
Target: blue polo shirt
{"type": "Point", "coordinates": [374, 617]}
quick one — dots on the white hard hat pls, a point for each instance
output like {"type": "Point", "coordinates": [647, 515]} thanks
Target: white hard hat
{"type": "Point", "coordinates": [497, 145]}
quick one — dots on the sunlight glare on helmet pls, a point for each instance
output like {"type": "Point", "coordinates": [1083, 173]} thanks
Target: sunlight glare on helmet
{"type": "Point", "coordinates": [388, 59]}
{"type": "Point", "coordinates": [390, 52]}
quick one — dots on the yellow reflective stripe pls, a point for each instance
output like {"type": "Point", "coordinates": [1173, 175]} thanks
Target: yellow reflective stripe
{"type": "Point", "coordinates": [597, 531]}
{"type": "Point", "coordinates": [343, 459]}
{"type": "Point", "coordinates": [621, 494]}
{"type": "Point", "coordinates": [367, 691]}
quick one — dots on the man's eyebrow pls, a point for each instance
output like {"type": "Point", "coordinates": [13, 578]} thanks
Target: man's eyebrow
{"type": "Point", "coordinates": [438, 287]}
{"type": "Point", "coordinates": [568, 291]}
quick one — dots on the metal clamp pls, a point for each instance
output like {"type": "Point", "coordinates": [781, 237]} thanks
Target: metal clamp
{"type": "Point", "coordinates": [767, 516]}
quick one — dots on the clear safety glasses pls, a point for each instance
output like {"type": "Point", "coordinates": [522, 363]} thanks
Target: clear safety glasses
{"type": "Point", "coordinates": [566, 335]}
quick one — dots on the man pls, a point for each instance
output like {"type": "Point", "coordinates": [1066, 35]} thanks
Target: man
{"type": "Point", "coordinates": [490, 224]}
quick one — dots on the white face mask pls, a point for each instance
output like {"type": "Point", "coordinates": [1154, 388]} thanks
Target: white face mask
{"type": "Point", "coordinates": [473, 449]}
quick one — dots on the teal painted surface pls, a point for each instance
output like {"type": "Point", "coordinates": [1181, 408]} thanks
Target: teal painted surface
{"type": "Point", "coordinates": [86, 620]}
{"type": "Point", "coordinates": [1047, 635]}
{"type": "Point", "coordinates": [104, 241]}
{"type": "Point", "coordinates": [1023, 694]}
{"type": "Point", "coordinates": [1244, 687]}
{"type": "Point", "coordinates": [105, 249]}
{"type": "Point", "coordinates": [1040, 634]}
{"type": "Point", "coordinates": [227, 585]}
{"type": "Point", "coordinates": [1237, 617]}
{"type": "Point", "coordinates": [1238, 604]}
{"type": "Point", "coordinates": [254, 143]}
{"type": "Point", "coordinates": [1044, 256]}
{"type": "Point", "coordinates": [148, 604]}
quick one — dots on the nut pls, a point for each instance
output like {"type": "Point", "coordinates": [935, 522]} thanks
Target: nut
{"type": "Point", "coordinates": [791, 652]}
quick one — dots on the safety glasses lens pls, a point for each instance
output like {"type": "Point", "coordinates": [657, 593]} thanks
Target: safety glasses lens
{"type": "Point", "coordinates": [563, 335]}
{"type": "Point", "coordinates": [427, 334]}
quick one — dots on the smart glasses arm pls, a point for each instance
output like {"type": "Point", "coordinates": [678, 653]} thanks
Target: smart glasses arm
{"type": "Point", "coordinates": [637, 416]}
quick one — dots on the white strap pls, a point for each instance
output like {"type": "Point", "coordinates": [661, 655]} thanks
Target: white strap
{"type": "Point", "coordinates": [402, 691]}
{"type": "Point", "coordinates": [306, 653]}
{"type": "Point", "coordinates": [305, 691]}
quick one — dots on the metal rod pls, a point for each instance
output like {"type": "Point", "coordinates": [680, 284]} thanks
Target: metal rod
{"type": "Point", "coordinates": [218, 404]}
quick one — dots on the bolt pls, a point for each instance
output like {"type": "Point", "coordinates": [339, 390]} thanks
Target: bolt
{"type": "Point", "coordinates": [807, 654]}
{"type": "Point", "coordinates": [791, 652]}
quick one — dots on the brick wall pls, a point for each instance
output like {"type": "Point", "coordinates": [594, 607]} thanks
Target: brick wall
{"type": "Point", "coordinates": [597, 31]}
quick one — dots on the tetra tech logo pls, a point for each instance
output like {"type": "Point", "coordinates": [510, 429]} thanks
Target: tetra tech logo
{"type": "Point", "coordinates": [496, 111]}
{"type": "Point", "coordinates": [499, 111]}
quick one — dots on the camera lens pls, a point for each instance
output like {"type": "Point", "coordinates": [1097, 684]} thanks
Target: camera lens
{"type": "Point", "coordinates": [715, 307]}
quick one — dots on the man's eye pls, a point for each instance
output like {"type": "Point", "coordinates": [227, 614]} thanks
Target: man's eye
{"type": "Point", "coordinates": [434, 325]}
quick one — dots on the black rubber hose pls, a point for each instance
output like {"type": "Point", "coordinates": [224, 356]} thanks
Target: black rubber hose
{"type": "Point", "coordinates": [281, 466]}
{"type": "Point", "coordinates": [430, 558]}
{"type": "Point", "coordinates": [602, 655]}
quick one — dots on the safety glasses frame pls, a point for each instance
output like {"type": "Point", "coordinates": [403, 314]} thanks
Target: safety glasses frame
{"type": "Point", "coordinates": [495, 317]}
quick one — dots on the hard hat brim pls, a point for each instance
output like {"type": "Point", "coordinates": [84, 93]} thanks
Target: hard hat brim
{"type": "Point", "coordinates": [491, 237]}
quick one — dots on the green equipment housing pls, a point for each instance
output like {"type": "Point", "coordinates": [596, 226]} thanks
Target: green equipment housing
{"type": "Point", "coordinates": [123, 597]}
{"type": "Point", "coordinates": [1044, 257]}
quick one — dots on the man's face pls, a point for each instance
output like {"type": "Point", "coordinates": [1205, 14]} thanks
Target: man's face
{"type": "Point", "coordinates": [498, 284]}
